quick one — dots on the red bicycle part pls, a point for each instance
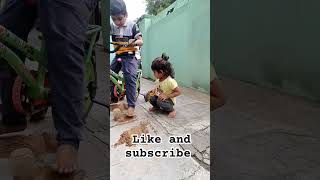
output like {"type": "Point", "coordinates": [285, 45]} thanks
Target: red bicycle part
{"type": "Point", "coordinates": [18, 97]}
{"type": "Point", "coordinates": [116, 94]}
{"type": "Point", "coordinates": [21, 103]}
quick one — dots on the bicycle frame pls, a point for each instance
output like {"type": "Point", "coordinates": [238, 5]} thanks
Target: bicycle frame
{"type": "Point", "coordinates": [115, 78]}
{"type": "Point", "coordinates": [119, 82]}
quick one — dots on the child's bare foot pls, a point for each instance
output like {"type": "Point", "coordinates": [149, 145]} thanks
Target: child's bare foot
{"type": "Point", "coordinates": [153, 109]}
{"type": "Point", "coordinates": [67, 159]}
{"type": "Point", "coordinates": [130, 112]}
{"type": "Point", "coordinates": [172, 114]}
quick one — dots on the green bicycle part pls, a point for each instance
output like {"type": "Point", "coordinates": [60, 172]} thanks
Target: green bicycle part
{"type": "Point", "coordinates": [35, 90]}
{"type": "Point", "coordinates": [90, 71]}
{"type": "Point", "coordinates": [115, 78]}
{"type": "Point", "coordinates": [12, 40]}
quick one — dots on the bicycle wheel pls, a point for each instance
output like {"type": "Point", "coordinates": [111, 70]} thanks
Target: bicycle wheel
{"type": "Point", "coordinates": [113, 94]}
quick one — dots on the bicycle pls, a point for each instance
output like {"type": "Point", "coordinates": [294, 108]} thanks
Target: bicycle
{"type": "Point", "coordinates": [31, 89]}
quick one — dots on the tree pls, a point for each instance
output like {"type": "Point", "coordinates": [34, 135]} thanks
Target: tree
{"type": "Point", "coordinates": [156, 6]}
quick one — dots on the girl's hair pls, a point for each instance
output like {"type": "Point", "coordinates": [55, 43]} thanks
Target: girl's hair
{"type": "Point", "coordinates": [118, 7]}
{"type": "Point", "coordinates": [162, 64]}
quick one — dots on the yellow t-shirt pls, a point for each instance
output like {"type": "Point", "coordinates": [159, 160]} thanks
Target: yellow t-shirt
{"type": "Point", "coordinates": [167, 86]}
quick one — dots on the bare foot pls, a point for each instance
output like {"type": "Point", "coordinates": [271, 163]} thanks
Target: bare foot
{"type": "Point", "coordinates": [172, 114]}
{"type": "Point", "coordinates": [67, 159]}
{"type": "Point", "coordinates": [130, 112]}
{"type": "Point", "coordinates": [153, 109]}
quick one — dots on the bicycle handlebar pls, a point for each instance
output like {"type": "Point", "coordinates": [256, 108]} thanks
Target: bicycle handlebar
{"type": "Point", "coordinates": [119, 45]}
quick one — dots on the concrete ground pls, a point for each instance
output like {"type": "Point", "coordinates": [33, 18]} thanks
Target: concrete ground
{"type": "Point", "coordinates": [193, 118]}
{"type": "Point", "coordinates": [263, 134]}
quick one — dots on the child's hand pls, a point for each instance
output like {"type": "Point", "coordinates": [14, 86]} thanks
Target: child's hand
{"type": "Point", "coordinates": [163, 97]}
{"type": "Point", "coordinates": [131, 42]}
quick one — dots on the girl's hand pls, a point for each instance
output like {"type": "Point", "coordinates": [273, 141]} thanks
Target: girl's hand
{"type": "Point", "coordinates": [153, 91]}
{"type": "Point", "coordinates": [163, 97]}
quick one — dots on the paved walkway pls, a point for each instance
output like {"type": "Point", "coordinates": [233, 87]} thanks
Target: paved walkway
{"type": "Point", "coordinates": [193, 118]}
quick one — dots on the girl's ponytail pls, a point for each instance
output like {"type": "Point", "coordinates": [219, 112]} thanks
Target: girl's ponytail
{"type": "Point", "coordinates": [165, 57]}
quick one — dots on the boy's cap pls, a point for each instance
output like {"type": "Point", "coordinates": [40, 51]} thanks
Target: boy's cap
{"type": "Point", "coordinates": [118, 7]}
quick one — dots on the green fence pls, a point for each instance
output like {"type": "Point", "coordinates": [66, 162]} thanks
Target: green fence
{"type": "Point", "coordinates": [270, 43]}
{"type": "Point", "coordinates": [184, 34]}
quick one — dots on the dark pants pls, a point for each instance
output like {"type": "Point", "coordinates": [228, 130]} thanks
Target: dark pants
{"type": "Point", "coordinates": [63, 24]}
{"type": "Point", "coordinates": [129, 66]}
{"type": "Point", "coordinates": [166, 105]}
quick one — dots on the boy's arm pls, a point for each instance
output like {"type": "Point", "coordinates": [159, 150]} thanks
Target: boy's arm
{"type": "Point", "coordinates": [139, 41]}
{"type": "Point", "coordinates": [137, 35]}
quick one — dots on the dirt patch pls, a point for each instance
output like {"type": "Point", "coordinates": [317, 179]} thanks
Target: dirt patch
{"type": "Point", "coordinates": [121, 106]}
{"type": "Point", "coordinates": [38, 143]}
{"type": "Point", "coordinates": [119, 115]}
{"type": "Point", "coordinates": [126, 136]}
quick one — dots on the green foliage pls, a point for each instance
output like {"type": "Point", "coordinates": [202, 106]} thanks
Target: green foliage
{"type": "Point", "coordinates": [156, 6]}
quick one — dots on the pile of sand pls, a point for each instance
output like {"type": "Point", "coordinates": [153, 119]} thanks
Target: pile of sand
{"type": "Point", "coordinates": [126, 136]}
{"type": "Point", "coordinates": [119, 113]}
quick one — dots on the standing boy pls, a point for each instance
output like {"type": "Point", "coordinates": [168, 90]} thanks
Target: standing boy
{"type": "Point", "coordinates": [122, 28]}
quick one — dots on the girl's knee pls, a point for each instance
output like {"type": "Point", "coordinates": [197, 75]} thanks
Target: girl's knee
{"type": "Point", "coordinates": [166, 106]}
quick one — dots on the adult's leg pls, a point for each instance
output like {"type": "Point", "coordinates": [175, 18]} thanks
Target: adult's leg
{"type": "Point", "coordinates": [18, 17]}
{"type": "Point", "coordinates": [64, 25]}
